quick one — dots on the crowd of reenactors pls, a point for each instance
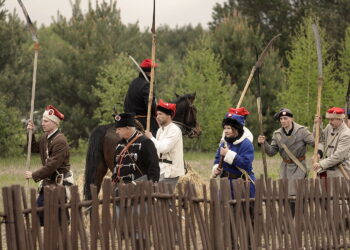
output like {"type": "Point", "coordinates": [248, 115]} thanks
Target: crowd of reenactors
{"type": "Point", "coordinates": [157, 155]}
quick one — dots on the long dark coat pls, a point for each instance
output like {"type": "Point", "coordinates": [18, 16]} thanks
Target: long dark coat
{"type": "Point", "coordinates": [54, 153]}
{"type": "Point", "coordinates": [136, 101]}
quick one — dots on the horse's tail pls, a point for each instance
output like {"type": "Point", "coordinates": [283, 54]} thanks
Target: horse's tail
{"type": "Point", "coordinates": [93, 157]}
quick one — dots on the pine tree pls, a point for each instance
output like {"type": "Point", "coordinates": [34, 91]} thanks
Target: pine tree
{"type": "Point", "coordinates": [11, 131]}
{"type": "Point", "coordinates": [300, 94]}
{"type": "Point", "coordinates": [112, 85]}
{"type": "Point", "coordinates": [238, 44]}
{"type": "Point", "coordinates": [202, 74]}
{"type": "Point", "coordinates": [345, 60]}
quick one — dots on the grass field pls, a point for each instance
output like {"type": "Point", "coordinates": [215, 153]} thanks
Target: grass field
{"type": "Point", "coordinates": [11, 170]}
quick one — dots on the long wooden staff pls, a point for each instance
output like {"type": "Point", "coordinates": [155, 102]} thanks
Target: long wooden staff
{"type": "Point", "coordinates": [255, 67]}
{"type": "Point", "coordinates": [261, 128]}
{"type": "Point", "coordinates": [150, 96]}
{"type": "Point", "coordinates": [319, 94]}
{"type": "Point", "coordinates": [347, 104]}
{"type": "Point", "coordinates": [35, 66]}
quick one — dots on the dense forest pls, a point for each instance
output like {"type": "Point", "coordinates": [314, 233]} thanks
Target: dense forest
{"type": "Point", "coordinates": [84, 69]}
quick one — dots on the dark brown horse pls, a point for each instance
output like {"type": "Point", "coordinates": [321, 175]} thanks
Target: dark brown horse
{"type": "Point", "coordinates": [103, 140]}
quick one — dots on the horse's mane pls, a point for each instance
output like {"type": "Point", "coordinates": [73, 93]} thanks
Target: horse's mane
{"type": "Point", "coordinates": [182, 98]}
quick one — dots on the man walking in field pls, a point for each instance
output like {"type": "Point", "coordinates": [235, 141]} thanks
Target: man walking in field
{"type": "Point", "coordinates": [334, 146]}
{"type": "Point", "coordinates": [54, 152]}
{"type": "Point", "coordinates": [290, 141]}
{"type": "Point", "coordinates": [136, 99]}
{"type": "Point", "coordinates": [169, 144]}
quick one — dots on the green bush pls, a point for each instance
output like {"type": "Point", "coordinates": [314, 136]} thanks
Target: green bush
{"type": "Point", "coordinates": [11, 131]}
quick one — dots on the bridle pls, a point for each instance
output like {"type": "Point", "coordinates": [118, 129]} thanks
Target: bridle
{"type": "Point", "coordinates": [186, 129]}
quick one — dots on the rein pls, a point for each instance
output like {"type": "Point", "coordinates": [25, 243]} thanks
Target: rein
{"type": "Point", "coordinates": [186, 130]}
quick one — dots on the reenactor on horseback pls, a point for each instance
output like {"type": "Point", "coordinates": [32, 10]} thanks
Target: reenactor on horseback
{"type": "Point", "coordinates": [290, 141]}
{"type": "Point", "coordinates": [169, 144]}
{"type": "Point", "coordinates": [334, 146]}
{"type": "Point", "coordinates": [136, 157]}
{"type": "Point", "coordinates": [136, 99]}
{"type": "Point", "coordinates": [54, 152]}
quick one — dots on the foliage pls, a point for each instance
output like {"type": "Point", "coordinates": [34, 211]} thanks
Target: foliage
{"type": "Point", "coordinates": [16, 64]}
{"type": "Point", "coordinates": [202, 74]}
{"type": "Point", "coordinates": [83, 67]}
{"type": "Point", "coordinates": [280, 16]}
{"type": "Point", "coordinates": [76, 51]}
{"type": "Point", "coordinates": [300, 94]}
{"type": "Point", "coordinates": [10, 135]}
{"type": "Point", "coordinates": [112, 85]}
{"type": "Point", "coordinates": [239, 45]}
{"type": "Point", "coordinates": [345, 59]}
{"type": "Point", "coordinates": [168, 78]}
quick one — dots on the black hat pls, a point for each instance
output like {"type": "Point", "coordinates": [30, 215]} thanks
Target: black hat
{"type": "Point", "coordinates": [283, 112]}
{"type": "Point", "coordinates": [125, 120]}
{"type": "Point", "coordinates": [233, 123]}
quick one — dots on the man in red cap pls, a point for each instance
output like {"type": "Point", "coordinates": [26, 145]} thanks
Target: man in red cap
{"type": "Point", "coordinates": [169, 144]}
{"type": "Point", "coordinates": [334, 146]}
{"type": "Point", "coordinates": [54, 152]}
{"type": "Point", "coordinates": [136, 99]}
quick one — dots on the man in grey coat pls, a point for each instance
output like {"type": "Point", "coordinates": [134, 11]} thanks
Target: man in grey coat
{"type": "Point", "coordinates": [334, 146]}
{"type": "Point", "coordinates": [293, 138]}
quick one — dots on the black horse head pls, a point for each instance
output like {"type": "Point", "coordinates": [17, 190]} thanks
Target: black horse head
{"type": "Point", "coordinates": [186, 115]}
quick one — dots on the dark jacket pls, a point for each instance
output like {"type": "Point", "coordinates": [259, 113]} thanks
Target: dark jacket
{"type": "Point", "coordinates": [136, 99]}
{"type": "Point", "coordinates": [140, 159]}
{"type": "Point", "coordinates": [54, 156]}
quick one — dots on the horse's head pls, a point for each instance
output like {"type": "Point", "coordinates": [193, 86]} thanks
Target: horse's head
{"type": "Point", "coordinates": [186, 115]}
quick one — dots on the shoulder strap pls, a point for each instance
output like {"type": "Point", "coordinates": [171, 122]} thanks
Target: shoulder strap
{"type": "Point", "coordinates": [290, 154]}
{"type": "Point", "coordinates": [125, 149]}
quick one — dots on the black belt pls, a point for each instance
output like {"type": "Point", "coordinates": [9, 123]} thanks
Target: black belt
{"type": "Point", "coordinates": [165, 161]}
{"type": "Point", "coordinates": [233, 176]}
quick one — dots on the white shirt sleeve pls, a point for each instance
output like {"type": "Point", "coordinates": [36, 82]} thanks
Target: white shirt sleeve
{"type": "Point", "coordinates": [167, 143]}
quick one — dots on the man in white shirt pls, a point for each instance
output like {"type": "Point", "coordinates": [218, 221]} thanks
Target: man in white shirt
{"type": "Point", "coordinates": [169, 144]}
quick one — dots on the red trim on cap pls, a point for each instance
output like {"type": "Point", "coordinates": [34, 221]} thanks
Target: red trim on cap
{"type": "Point", "coordinates": [54, 111]}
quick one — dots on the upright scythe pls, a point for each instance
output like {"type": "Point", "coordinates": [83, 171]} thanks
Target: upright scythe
{"type": "Point", "coordinates": [150, 96]}
{"type": "Point", "coordinates": [261, 128]}
{"type": "Point", "coordinates": [35, 64]}
{"type": "Point", "coordinates": [319, 93]}
{"type": "Point", "coordinates": [255, 67]}
{"type": "Point", "coordinates": [347, 103]}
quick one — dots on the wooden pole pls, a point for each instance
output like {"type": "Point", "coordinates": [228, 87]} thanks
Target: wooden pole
{"type": "Point", "coordinates": [30, 134]}
{"type": "Point", "coordinates": [151, 87]}
{"type": "Point", "coordinates": [347, 104]}
{"type": "Point", "coordinates": [260, 117]}
{"type": "Point", "coordinates": [261, 130]}
{"type": "Point", "coordinates": [35, 66]}
{"type": "Point", "coordinates": [255, 67]}
{"type": "Point", "coordinates": [319, 95]}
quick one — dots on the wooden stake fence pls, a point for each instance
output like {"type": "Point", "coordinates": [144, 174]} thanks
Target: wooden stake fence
{"type": "Point", "coordinates": [145, 216]}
